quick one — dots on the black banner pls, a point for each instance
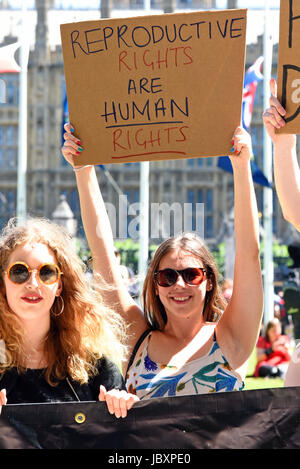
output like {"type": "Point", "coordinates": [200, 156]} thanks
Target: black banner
{"type": "Point", "coordinates": [259, 419]}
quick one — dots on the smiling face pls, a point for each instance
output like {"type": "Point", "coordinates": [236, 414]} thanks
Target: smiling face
{"type": "Point", "coordinates": [182, 300]}
{"type": "Point", "coordinates": [31, 299]}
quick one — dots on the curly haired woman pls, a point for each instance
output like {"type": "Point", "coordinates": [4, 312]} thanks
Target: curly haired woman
{"type": "Point", "coordinates": [60, 340]}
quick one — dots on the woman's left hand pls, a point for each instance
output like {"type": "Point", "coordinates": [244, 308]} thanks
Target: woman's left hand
{"type": "Point", "coordinates": [118, 402]}
{"type": "Point", "coordinates": [3, 399]}
{"type": "Point", "coordinates": [241, 147]}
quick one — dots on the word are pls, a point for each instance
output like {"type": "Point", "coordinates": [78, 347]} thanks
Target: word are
{"type": "Point", "coordinates": [150, 110]}
{"type": "Point", "coordinates": [97, 40]}
{"type": "Point", "coordinates": [155, 59]}
{"type": "Point", "coordinates": [126, 139]}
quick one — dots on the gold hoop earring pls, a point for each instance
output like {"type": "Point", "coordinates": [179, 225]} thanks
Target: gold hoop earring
{"type": "Point", "coordinates": [62, 307]}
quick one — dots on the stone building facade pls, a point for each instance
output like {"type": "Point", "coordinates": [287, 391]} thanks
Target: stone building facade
{"type": "Point", "coordinates": [180, 181]}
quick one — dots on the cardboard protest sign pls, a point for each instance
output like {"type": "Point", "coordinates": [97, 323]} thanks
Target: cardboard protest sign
{"type": "Point", "coordinates": [288, 77]}
{"type": "Point", "coordinates": [155, 87]}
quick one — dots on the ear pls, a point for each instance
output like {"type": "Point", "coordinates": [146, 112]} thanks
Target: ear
{"type": "Point", "coordinates": [209, 285]}
{"type": "Point", "coordinates": [59, 288]}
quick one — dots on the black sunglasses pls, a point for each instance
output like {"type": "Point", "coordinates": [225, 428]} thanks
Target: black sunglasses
{"type": "Point", "coordinates": [191, 276]}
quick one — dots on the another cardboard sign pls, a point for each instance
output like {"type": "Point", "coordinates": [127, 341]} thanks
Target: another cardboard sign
{"type": "Point", "coordinates": [288, 76]}
{"type": "Point", "coordinates": [155, 87]}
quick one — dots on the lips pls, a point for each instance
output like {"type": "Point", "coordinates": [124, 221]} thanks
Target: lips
{"type": "Point", "coordinates": [180, 299]}
{"type": "Point", "coordinates": [32, 299]}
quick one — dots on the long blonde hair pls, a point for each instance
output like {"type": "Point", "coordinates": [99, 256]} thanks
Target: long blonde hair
{"type": "Point", "coordinates": [155, 313]}
{"type": "Point", "coordinates": [86, 330]}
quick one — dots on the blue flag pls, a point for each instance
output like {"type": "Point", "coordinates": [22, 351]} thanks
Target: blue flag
{"type": "Point", "coordinates": [252, 77]}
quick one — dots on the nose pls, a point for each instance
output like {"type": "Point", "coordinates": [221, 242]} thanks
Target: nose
{"type": "Point", "coordinates": [180, 282]}
{"type": "Point", "coordinates": [33, 279]}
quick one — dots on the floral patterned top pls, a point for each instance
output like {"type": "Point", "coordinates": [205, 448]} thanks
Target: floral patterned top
{"type": "Point", "coordinates": [210, 373]}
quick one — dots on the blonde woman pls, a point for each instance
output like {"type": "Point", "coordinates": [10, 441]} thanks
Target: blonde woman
{"type": "Point", "coordinates": [187, 340]}
{"type": "Point", "coordinates": [60, 342]}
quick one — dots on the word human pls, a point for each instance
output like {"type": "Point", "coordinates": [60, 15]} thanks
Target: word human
{"type": "Point", "coordinates": [95, 40]}
{"type": "Point", "coordinates": [163, 108]}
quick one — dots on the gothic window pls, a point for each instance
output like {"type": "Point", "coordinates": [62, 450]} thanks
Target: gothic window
{"type": "Point", "coordinates": [9, 146]}
{"type": "Point", "coordinates": [9, 89]}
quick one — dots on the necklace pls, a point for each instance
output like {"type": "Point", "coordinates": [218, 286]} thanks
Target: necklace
{"type": "Point", "coordinates": [73, 390]}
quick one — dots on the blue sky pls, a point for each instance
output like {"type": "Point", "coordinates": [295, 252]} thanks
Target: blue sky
{"type": "Point", "coordinates": [96, 3]}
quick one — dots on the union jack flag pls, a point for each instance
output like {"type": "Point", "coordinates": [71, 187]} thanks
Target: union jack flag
{"type": "Point", "coordinates": [252, 77]}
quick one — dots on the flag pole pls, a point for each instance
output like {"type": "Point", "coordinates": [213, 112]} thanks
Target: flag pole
{"type": "Point", "coordinates": [144, 205]}
{"type": "Point", "coordinates": [268, 193]}
{"type": "Point", "coordinates": [22, 135]}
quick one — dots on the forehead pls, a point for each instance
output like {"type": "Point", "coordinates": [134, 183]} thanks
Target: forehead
{"type": "Point", "coordinates": [33, 254]}
{"type": "Point", "coordinates": [179, 259]}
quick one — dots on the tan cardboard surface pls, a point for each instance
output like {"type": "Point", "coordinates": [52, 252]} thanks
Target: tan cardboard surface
{"type": "Point", "coordinates": [288, 75]}
{"type": "Point", "coordinates": [155, 87]}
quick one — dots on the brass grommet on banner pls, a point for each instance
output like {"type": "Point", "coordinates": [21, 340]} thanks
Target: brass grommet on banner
{"type": "Point", "coordinates": [80, 417]}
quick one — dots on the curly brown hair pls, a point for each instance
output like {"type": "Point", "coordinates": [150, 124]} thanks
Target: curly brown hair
{"type": "Point", "coordinates": [214, 302]}
{"type": "Point", "coordinates": [87, 330]}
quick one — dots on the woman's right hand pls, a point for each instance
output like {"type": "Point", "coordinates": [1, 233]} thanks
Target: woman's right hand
{"type": "Point", "coordinates": [273, 118]}
{"type": "Point", "coordinates": [3, 399]}
{"type": "Point", "coordinates": [72, 146]}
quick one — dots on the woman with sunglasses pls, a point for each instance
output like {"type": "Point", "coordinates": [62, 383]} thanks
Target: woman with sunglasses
{"type": "Point", "coordinates": [58, 340]}
{"type": "Point", "coordinates": [188, 341]}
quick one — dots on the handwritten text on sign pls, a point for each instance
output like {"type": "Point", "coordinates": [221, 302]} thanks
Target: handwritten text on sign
{"type": "Point", "coordinates": [156, 87]}
{"type": "Point", "coordinates": [289, 64]}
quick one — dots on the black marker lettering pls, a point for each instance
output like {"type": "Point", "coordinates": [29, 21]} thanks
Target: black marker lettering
{"type": "Point", "coordinates": [147, 33]}
{"type": "Point", "coordinates": [142, 112]}
{"type": "Point", "coordinates": [143, 83]}
{"type": "Point", "coordinates": [131, 86]}
{"type": "Point", "coordinates": [179, 33]}
{"type": "Point", "coordinates": [107, 35]}
{"type": "Point", "coordinates": [121, 30]}
{"type": "Point", "coordinates": [113, 113]}
{"type": "Point", "coordinates": [224, 32]}
{"type": "Point", "coordinates": [160, 107]}
{"type": "Point", "coordinates": [232, 30]}
{"type": "Point", "coordinates": [174, 35]}
{"type": "Point", "coordinates": [291, 19]}
{"type": "Point", "coordinates": [74, 41]}
{"type": "Point", "coordinates": [198, 29]}
{"type": "Point", "coordinates": [127, 112]}
{"type": "Point", "coordinates": [159, 38]}
{"type": "Point", "coordinates": [154, 86]}
{"type": "Point", "coordinates": [92, 42]}
{"type": "Point", "coordinates": [174, 104]}
{"type": "Point", "coordinates": [286, 69]}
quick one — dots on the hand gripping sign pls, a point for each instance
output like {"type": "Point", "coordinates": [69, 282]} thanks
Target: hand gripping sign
{"type": "Point", "coordinates": [155, 87]}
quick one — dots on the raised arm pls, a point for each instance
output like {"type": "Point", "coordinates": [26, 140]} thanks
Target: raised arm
{"type": "Point", "coordinates": [238, 328]}
{"type": "Point", "coordinates": [286, 167]}
{"type": "Point", "coordinates": [100, 238]}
